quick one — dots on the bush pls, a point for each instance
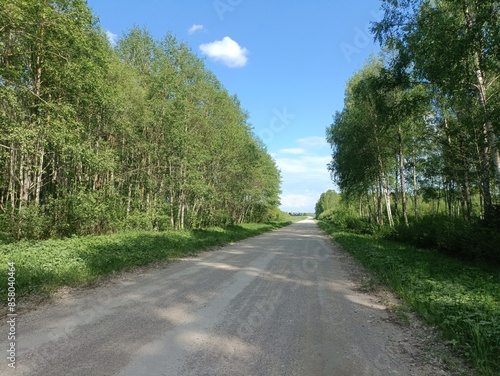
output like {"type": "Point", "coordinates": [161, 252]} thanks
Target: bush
{"type": "Point", "coordinates": [348, 220]}
{"type": "Point", "coordinates": [27, 222]}
{"type": "Point", "coordinates": [471, 240]}
{"type": "Point", "coordinates": [327, 215]}
{"type": "Point", "coordinates": [341, 217]}
{"type": "Point", "coordinates": [275, 215]}
{"type": "Point", "coordinates": [81, 213]}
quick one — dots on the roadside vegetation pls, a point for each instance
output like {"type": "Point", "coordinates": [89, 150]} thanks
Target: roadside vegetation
{"type": "Point", "coordinates": [461, 299]}
{"type": "Point", "coordinates": [415, 150]}
{"type": "Point", "coordinates": [415, 157]}
{"type": "Point", "coordinates": [45, 266]}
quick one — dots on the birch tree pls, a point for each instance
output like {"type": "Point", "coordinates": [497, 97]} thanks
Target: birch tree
{"type": "Point", "coordinates": [453, 45]}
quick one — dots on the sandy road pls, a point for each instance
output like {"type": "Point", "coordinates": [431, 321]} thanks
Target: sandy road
{"type": "Point", "coordinates": [277, 304]}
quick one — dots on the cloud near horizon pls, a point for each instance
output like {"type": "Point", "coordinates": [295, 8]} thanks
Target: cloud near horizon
{"type": "Point", "coordinates": [298, 203]}
{"type": "Point", "coordinates": [304, 168]}
{"type": "Point", "coordinates": [227, 52]}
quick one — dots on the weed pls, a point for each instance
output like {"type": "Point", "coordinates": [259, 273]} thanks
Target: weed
{"type": "Point", "coordinates": [401, 314]}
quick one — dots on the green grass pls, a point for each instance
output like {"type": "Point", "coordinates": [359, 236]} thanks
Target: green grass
{"type": "Point", "coordinates": [461, 299]}
{"type": "Point", "coordinates": [44, 266]}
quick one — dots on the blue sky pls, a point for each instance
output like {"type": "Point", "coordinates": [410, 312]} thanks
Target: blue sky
{"type": "Point", "coordinates": [287, 61]}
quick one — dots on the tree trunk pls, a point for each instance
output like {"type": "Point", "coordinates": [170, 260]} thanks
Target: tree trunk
{"type": "Point", "coordinates": [454, 174]}
{"type": "Point", "coordinates": [171, 191]}
{"type": "Point", "coordinates": [402, 176]}
{"type": "Point", "coordinates": [488, 130]}
{"type": "Point", "coordinates": [370, 211]}
{"type": "Point", "coordinates": [380, 215]}
{"type": "Point", "coordinates": [485, 186]}
{"type": "Point", "coordinates": [39, 175]}
{"type": "Point", "coordinates": [468, 196]}
{"type": "Point", "coordinates": [415, 188]}
{"type": "Point", "coordinates": [396, 188]}
{"type": "Point", "coordinates": [490, 151]}
{"type": "Point", "coordinates": [25, 182]}
{"type": "Point", "coordinates": [183, 210]}
{"type": "Point", "coordinates": [387, 197]}
{"type": "Point", "coordinates": [12, 187]}
{"type": "Point", "coordinates": [129, 199]}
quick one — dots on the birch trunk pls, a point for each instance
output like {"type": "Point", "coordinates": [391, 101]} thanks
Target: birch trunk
{"type": "Point", "coordinates": [402, 176]}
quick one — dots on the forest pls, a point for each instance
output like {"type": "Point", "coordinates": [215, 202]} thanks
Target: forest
{"type": "Point", "coordinates": [96, 138]}
{"type": "Point", "coordinates": [415, 150]}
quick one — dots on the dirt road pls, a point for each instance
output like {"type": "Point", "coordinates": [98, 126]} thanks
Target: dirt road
{"type": "Point", "coordinates": [277, 304]}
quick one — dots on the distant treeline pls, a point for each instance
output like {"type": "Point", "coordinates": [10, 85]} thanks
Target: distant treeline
{"type": "Point", "coordinates": [95, 139]}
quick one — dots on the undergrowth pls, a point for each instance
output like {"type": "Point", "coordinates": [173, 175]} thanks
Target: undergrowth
{"type": "Point", "coordinates": [461, 299]}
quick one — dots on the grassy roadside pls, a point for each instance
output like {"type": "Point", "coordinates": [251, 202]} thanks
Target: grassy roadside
{"type": "Point", "coordinates": [462, 300]}
{"type": "Point", "coordinates": [44, 266]}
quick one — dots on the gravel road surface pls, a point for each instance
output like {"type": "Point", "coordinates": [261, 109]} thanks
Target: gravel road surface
{"type": "Point", "coordinates": [278, 304]}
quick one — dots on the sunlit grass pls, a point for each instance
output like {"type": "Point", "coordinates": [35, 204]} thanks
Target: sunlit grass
{"type": "Point", "coordinates": [44, 266]}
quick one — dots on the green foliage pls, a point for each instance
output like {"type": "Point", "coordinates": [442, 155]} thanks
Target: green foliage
{"type": "Point", "coordinates": [463, 301]}
{"type": "Point", "coordinates": [470, 240]}
{"type": "Point", "coordinates": [357, 136]}
{"type": "Point", "coordinates": [453, 47]}
{"type": "Point", "coordinates": [95, 140]}
{"type": "Point", "coordinates": [328, 201]}
{"type": "Point", "coordinates": [275, 215]}
{"type": "Point", "coordinates": [326, 215]}
{"type": "Point", "coordinates": [347, 220]}
{"type": "Point", "coordinates": [30, 222]}
{"type": "Point", "coordinates": [418, 132]}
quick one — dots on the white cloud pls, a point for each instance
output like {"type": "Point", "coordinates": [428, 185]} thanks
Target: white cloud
{"type": "Point", "coordinates": [193, 29]}
{"type": "Point", "coordinates": [112, 38]}
{"type": "Point", "coordinates": [305, 174]}
{"type": "Point", "coordinates": [311, 164]}
{"type": "Point", "coordinates": [226, 51]}
{"type": "Point", "coordinates": [314, 141]}
{"type": "Point", "coordinates": [305, 163]}
{"type": "Point", "coordinates": [294, 151]}
{"type": "Point", "coordinates": [298, 202]}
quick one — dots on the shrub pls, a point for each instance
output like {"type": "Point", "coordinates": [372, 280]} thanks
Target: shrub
{"type": "Point", "coordinates": [274, 215]}
{"type": "Point", "coordinates": [27, 222]}
{"type": "Point", "coordinates": [471, 240]}
{"type": "Point", "coordinates": [327, 215]}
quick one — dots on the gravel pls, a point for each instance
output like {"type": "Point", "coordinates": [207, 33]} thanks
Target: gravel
{"type": "Point", "coordinates": [287, 302]}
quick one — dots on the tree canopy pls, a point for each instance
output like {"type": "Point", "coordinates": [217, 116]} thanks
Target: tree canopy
{"type": "Point", "coordinates": [95, 139]}
{"type": "Point", "coordinates": [420, 124]}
